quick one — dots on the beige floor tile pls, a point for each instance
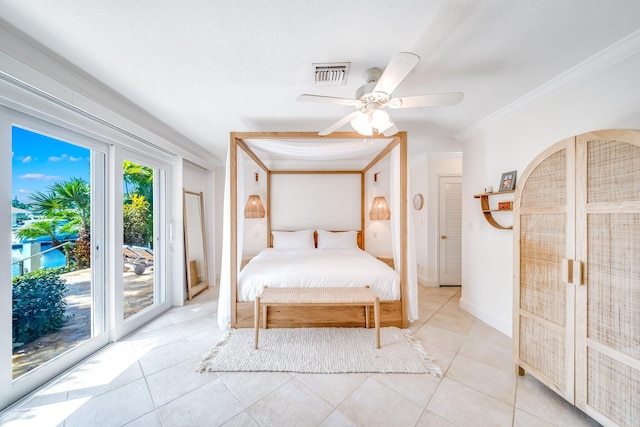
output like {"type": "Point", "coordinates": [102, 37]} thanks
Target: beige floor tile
{"type": "Point", "coordinates": [210, 405]}
{"type": "Point", "coordinates": [450, 323]}
{"type": "Point", "coordinates": [537, 399]}
{"type": "Point", "coordinates": [292, 404]}
{"type": "Point", "coordinates": [430, 335]}
{"type": "Point", "coordinates": [489, 352]}
{"type": "Point", "coordinates": [441, 356]}
{"type": "Point", "coordinates": [204, 341]}
{"type": "Point", "coordinates": [177, 380]}
{"type": "Point", "coordinates": [429, 419]}
{"type": "Point", "coordinates": [336, 419]}
{"type": "Point", "coordinates": [109, 369]}
{"type": "Point", "coordinates": [523, 419]}
{"type": "Point", "coordinates": [243, 419]}
{"type": "Point", "coordinates": [168, 355]}
{"type": "Point", "coordinates": [114, 408]}
{"type": "Point", "coordinates": [143, 342]}
{"type": "Point", "coordinates": [481, 333]}
{"type": "Point", "coordinates": [334, 388]}
{"type": "Point", "coordinates": [417, 387]}
{"type": "Point", "coordinates": [464, 406]}
{"type": "Point", "coordinates": [205, 322]}
{"type": "Point", "coordinates": [374, 404]}
{"type": "Point", "coordinates": [148, 420]}
{"type": "Point", "coordinates": [249, 387]}
{"type": "Point", "coordinates": [491, 381]}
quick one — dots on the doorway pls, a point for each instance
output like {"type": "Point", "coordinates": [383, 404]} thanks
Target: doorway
{"type": "Point", "coordinates": [450, 231]}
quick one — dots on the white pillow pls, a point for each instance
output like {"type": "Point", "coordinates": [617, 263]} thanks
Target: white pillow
{"type": "Point", "coordinates": [293, 239]}
{"type": "Point", "coordinates": [337, 239]}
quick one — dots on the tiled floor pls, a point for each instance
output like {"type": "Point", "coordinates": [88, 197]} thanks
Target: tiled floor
{"type": "Point", "coordinates": [149, 379]}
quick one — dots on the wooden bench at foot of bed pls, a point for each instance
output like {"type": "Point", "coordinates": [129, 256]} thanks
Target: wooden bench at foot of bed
{"type": "Point", "coordinates": [317, 297]}
{"type": "Point", "coordinates": [317, 317]}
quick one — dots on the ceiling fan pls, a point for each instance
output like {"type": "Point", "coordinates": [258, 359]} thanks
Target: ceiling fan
{"type": "Point", "coordinates": [374, 96]}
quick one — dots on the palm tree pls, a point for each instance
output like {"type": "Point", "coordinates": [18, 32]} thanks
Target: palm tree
{"type": "Point", "coordinates": [65, 209]}
{"type": "Point", "coordinates": [43, 227]}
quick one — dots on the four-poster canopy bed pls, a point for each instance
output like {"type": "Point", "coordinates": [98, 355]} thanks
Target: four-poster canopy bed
{"type": "Point", "coordinates": [236, 306]}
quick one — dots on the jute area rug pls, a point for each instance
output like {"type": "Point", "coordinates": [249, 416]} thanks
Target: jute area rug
{"type": "Point", "coordinates": [320, 350]}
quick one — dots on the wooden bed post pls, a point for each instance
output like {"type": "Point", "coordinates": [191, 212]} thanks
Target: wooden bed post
{"type": "Point", "coordinates": [233, 223]}
{"type": "Point", "coordinates": [403, 228]}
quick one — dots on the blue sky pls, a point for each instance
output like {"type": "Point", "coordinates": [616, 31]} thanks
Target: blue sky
{"type": "Point", "coordinates": [39, 161]}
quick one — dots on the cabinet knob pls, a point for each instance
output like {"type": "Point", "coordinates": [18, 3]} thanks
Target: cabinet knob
{"type": "Point", "coordinates": [443, 237]}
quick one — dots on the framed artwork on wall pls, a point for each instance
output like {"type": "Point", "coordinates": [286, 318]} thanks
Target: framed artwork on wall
{"type": "Point", "coordinates": [508, 181]}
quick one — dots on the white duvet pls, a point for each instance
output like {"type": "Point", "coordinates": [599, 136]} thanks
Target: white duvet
{"type": "Point", "coordinates": [309, 268]}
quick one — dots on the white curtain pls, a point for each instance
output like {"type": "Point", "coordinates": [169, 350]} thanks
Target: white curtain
{"type": "Point", "coordinates": [224, 296]}
{"type": "Point", "coordinates": [412, 274]}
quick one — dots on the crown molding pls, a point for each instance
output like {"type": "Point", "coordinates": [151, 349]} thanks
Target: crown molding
{"type": "Point", "coordinates": [606, 58]}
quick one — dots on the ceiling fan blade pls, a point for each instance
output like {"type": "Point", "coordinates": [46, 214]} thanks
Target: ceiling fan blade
{"type": "Point", "coordinates": [337, 125]}
{"type": "Point", "coordinates": [327, 99]}
{"type": "Point", "coordinates": [433, 100]}
{"type": "Point", "coordinates": [400, 65]}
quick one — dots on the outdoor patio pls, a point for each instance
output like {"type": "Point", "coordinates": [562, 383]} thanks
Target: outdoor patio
{"type": "Point", "coordinates": [138, 294]}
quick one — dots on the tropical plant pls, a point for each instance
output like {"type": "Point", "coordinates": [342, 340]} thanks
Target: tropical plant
{"type": "Point", "coordinates": [138, 180]}
{"type": "Point", "coordinates": [38, 304]}
{"type": "Point", "coordinates": [50, 227]}
{"type": "Point", "coordinates": [135, 215]}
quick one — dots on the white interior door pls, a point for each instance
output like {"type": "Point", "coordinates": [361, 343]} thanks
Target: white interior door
{"type": "Point", "coordinates": [450, 231]}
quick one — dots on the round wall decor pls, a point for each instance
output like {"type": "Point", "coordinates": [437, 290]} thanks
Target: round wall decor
{"type": "Point", "coordinates": [418, 201]}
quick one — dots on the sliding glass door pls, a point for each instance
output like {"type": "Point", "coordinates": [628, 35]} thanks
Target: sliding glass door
{"type": "Point", "coordinates": [55, 287]}
{"type": "Point", "coordinates": [142, 290]}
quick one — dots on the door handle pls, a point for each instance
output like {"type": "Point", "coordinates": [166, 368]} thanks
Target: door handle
{"type": "Point", "coordinates": [443, 236]}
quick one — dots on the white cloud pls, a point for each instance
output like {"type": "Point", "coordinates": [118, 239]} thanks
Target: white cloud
{"type": "Point", "coordinates": [74, 159]}
{"type": "Point", "coordinates": [26, 159]}
{"type": "Point", "coordinates": [24, 191]}
{"type": "Point", "coordinates": [38, 176]}
{"type": "Point", "coordinates": [57, 159]}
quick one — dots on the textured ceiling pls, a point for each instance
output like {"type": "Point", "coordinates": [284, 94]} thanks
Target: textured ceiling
{"type": "Point", "coordinates": [207, 68]}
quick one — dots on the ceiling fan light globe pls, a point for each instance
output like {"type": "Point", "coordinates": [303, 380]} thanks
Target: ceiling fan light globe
{"type": "Point", "coordinates": [362, 125]}
{"type": "Point", "coordinates": [379, 119]}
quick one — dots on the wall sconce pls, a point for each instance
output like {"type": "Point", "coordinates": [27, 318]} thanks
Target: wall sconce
{"type": "Point", "coordinates": [379, 210]}
{"type": "Point", "coordinates": [254, 207]}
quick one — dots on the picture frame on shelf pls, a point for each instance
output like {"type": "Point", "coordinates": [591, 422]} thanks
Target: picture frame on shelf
{"type": "Point", "coordinates": [508, 181]}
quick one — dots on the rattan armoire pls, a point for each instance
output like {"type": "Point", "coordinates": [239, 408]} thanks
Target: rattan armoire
{"type": "Point", "coordinates": [577, 273]}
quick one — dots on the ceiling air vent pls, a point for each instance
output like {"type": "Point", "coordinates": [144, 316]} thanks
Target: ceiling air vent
{"type": "Point", "coordinates": [333, 74]}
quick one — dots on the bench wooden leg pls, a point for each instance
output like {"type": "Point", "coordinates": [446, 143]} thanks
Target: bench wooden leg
{"type": "Point", "coordinates": [256, 320]}
{"type": "Point", "coordinates": [366, 316]}
{"type": "Point", "coordinates": [376, 319]}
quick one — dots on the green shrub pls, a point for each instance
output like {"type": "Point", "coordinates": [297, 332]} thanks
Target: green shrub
{"type": "Point", "coordinates": [38, 304]}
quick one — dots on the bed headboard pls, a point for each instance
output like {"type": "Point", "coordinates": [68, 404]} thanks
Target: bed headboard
{"type": "Point", "coordinates": [315, 237]}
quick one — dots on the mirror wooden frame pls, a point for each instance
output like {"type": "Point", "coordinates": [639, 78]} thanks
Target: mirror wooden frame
{"type": "Point", "coordinates": [195, 243]}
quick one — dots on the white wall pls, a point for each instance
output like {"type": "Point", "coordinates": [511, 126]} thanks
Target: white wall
{"type": "Point", "coordinates": [584, 102]}
{"type": "Point", "coordinates": [425, 172]}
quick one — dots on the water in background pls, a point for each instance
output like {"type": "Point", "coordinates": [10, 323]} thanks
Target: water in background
{"type": "Point", "coordinates": [50, 259]}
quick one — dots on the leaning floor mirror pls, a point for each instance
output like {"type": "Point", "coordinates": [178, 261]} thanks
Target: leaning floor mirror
{"type": "Point", "coordinates": [195, 243]}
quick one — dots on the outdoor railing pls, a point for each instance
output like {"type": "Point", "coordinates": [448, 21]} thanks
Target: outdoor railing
{"type": "Point", "coordinates": [20, 262]}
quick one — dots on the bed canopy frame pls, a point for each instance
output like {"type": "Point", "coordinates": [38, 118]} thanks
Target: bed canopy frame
{"type": "Point", "coordinates": [393, 313]}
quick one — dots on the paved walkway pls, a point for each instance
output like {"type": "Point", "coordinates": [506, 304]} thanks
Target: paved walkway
{"type": "Point", "coordinates": [138, 294]}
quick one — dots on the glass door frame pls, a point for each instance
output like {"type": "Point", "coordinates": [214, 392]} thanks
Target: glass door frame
{"type": "Point", "coordinates": [120, 327]}
{"type": "Point", "coordinates": [14, 389]}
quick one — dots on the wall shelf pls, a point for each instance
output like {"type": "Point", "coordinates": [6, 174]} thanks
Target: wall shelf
{"type": "Point", "coordinates": [488, 212]}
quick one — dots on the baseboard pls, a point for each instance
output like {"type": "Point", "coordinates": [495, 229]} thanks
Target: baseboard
{"type": "Point", "coordinates": [498, 323]}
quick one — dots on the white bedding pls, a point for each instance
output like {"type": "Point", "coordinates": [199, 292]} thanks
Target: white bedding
{"type": "Point", "coordinates": [308, 268]}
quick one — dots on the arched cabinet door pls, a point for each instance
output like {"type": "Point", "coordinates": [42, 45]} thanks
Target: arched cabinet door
{"type": "Point", "coordinates": [577, 275]}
